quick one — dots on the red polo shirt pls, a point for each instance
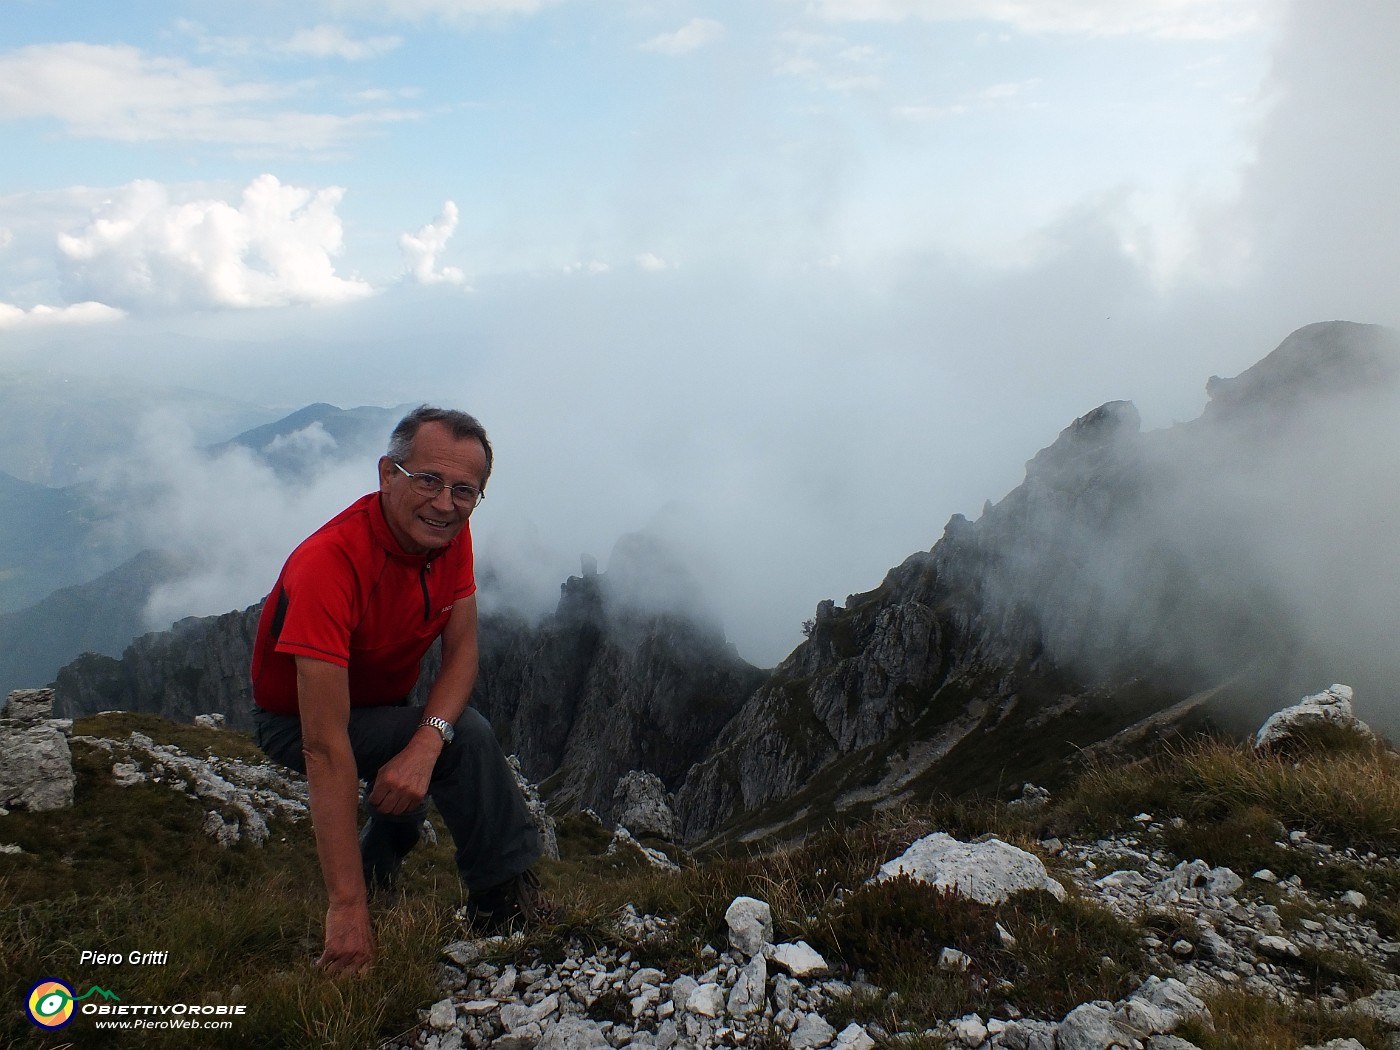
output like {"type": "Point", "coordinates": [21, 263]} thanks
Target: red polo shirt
{"type": "Point", "coordinates": [351, 596]}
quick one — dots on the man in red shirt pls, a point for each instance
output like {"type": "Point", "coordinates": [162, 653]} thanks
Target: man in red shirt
{"type": "Point", "coordinates": [338, 648]}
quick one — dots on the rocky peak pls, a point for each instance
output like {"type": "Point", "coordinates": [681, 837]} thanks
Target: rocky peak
{"type": "Point", "coordinates": [1318, 360]}
{"type": "Point", "coordinates": [1127, 573]}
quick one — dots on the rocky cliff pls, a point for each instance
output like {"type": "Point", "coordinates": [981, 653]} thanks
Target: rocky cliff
{"type": "Point", "coordinates": [623, 676]}
{"type": "Point", "coordinates": [1129, 572]}
{"type": "Point", "coordinates": [199, 666]}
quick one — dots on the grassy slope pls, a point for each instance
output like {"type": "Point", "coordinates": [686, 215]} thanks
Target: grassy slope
{"type": "Point", "coordinates": [128, 869]}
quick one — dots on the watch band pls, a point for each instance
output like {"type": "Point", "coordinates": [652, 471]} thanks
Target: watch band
{"type": "Point", "coordinates": [442, 725]}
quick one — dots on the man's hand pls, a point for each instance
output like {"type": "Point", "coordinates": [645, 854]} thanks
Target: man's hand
{"type": "Point", "coordinates": [402, 782]}
{"type": "Point", "coordinates": [349, 939]}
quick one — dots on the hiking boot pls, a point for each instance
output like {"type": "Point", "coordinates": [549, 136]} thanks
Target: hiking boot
{"type": "Point", "coordinates": [384, 844]}
{"type": "Point", "coordinates": [511, 905]}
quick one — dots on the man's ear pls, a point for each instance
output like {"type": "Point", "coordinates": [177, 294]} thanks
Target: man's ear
{"type": "Point", "coordinates": [386, 473]}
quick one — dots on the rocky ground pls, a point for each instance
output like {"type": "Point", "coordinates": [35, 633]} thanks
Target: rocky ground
{"type": "Point", "coordinates": [757, 993]}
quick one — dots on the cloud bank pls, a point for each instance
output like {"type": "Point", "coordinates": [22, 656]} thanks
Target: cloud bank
{"type": "Point", "coordinates": [144, 251]}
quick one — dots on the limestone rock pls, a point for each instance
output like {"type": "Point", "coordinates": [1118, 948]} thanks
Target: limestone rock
{"type": "Point", "coordinates": [1331, 707]}
{"type": "Point", "coordinates": [750, 924]}
{"type": "Point", "coordinates": [987, 871]}
{"type": "Point", "coordinates": [1091, 1027]}
{"type": "Point", "coordinates": [747, 995]}
{"type": "Point", "coordinates": [799, 959]}
{"type": "Point", "coordinates": [643, 806]}
{"type": "Point", "coordinates": [36, 762]}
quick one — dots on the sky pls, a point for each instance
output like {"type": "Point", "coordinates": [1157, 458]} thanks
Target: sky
{"type": "Point", "coordinates": [787, 281]}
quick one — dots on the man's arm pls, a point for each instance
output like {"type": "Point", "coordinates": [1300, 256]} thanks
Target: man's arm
{"type": "Point", "coordinates": [403, 781]}
{"type": "Point", "coordinates": [323, 695]}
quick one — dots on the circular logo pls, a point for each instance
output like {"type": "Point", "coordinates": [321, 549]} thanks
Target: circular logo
{"type": "Point", "coordinates": [50, 1003]}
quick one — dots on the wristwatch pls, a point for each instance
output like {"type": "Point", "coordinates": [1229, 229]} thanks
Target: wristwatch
{"type": "Point", "coordinates": [442, 725]}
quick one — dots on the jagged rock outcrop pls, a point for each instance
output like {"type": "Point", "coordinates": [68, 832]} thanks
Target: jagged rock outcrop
{"type": "Point", "coordinates": [1330, 708]}
{"type": "Point", "coordinates": [629, 673]}
{"type": "Point", "coordinates": [644, 807]}
{"type": "Point", "coordinates": [1127, 572]}
{"type": "Point", "coordinates": [199, 666]}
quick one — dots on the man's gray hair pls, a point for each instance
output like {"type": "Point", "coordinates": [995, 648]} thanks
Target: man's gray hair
{"type": "Point", "coordinates": [461, 425]}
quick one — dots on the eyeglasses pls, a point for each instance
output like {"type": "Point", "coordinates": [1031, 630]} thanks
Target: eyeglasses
{"type": "Point", "coordinates": [465, 496]}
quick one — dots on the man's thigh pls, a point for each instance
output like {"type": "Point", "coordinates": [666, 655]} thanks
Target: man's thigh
{"type": "Point", "coordinates": [376, 734]}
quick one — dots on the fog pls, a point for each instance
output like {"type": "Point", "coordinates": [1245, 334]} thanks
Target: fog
{"type": "Point", "coordinates": [796, 431]}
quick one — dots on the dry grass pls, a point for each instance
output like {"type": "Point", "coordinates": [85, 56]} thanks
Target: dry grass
{"type": "Point", "coordinates": [1246, 1022]}
{"type": "Point", "coordinates": [1348, 795]}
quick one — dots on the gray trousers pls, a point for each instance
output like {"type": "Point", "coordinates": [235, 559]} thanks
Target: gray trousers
{"type": "Point", "coordinates": [472, 786]}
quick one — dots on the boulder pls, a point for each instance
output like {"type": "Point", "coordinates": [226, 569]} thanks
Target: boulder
{"type": "Point", "coordinates": [987, 871]}
{"type": "Point", "coordinates": [750, 924]}
{"type": "Point", "coordinates": [1331, 707]}
{"type": "Point", "coordinates": [36, 763]}
{"type": "Point", "coordinates": [643, 806]}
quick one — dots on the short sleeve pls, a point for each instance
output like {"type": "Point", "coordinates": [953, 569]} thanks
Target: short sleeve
{"type": "Point", "coordinates": [319, 590]}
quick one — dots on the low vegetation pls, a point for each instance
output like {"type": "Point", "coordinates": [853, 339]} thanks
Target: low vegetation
{"type": "Point", "coordinates": [128, 869]}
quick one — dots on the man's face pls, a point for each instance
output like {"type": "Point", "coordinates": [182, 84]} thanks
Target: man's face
{"type": "Point", "coordinates": [420, 523]}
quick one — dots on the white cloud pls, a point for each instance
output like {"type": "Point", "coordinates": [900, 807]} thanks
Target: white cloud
{"type": "Point", "coordinates": [1193, 19]}
{"type": "Point", "coordinates": [328, 41]}
{"type": "Point", "coordinates": [144, 250]}
{"type": "Point", "coordinates": [6, 236]}
{"type": "Point", "coordinates": [456, 11]}
{"type": "Point", "coordinates": [117, 92]}
{"type": "Point", "coordinates": [828, 62]}
{"type": "Point", "coordinates": [423, 248]}
{"type": "Point", "coordinates": [692, 36]}
{"type": "Point", "coordinates": [592, 266]}
{"type": "Point", "coordinates": [45, 316]}
{"type": "Point", "coordinates": [653, 263]}
{"type": "Point", "coordinates": [998, 96]}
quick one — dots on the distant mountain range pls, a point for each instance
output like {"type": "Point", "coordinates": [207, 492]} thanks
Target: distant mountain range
{"type": "Point", "coordinates": [72, 577]}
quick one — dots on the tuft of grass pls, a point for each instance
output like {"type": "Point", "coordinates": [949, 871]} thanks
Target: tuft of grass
{"type": "Point", "coordinates": [1343, 794]}
{"type": "Point", "coordinates": [1246, 1022]}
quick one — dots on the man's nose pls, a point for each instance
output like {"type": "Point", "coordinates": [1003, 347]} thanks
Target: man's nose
{"type": "Point", "coordinates": [443, 500]}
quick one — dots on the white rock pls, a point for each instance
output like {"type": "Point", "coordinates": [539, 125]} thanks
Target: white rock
{"type": "Point", "coordinates": [1171, 994]}
{"type": "Point", "coordinates": [953, 961]}
{"type": "Point", "coordinates": [515, 1016]}
{"type": "Point", "coordinates": [750, 924]}
{"type": "Point", "coordinates": [682, 988]}
{"type": "Point", "coordinates": [127, 773]}
{"type": "Point", "coordinates": [1330, 707]}
{"type": "Point", "coordinates": [799, 959]}
{"type": "Point", "coordinates": [464, 953]}
{"type": "Point", "coordinates": [1277, 947]}
{"type": "Point", "coordinates": [1091, 1027]}
{"type": "Point", "coordinates": [811, 1032]}
{"type": "Point", "coordinates": [1354, 899]}
{"type": "Point", "coordinates": [442, 1015]}
{"type": "Point", "coordinates": [970, 1030]}
{"type": "Point", "coordinates": [747, 996]}
{"type": "Point", "coordinates": [1383, 1005]}
{"type": "Point", "coordinates": [706, 1000]}
{"type": "Point", "coordinates": [854, 1037]}
{"type": "Point", "coordinates": [643, 805]}
{"type": "Point", "coordinates": [574, 1033]}
{"type": "Point", "coordinates": [36, 764]}
{"type": "Point", "coordinates": [987, 871]}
